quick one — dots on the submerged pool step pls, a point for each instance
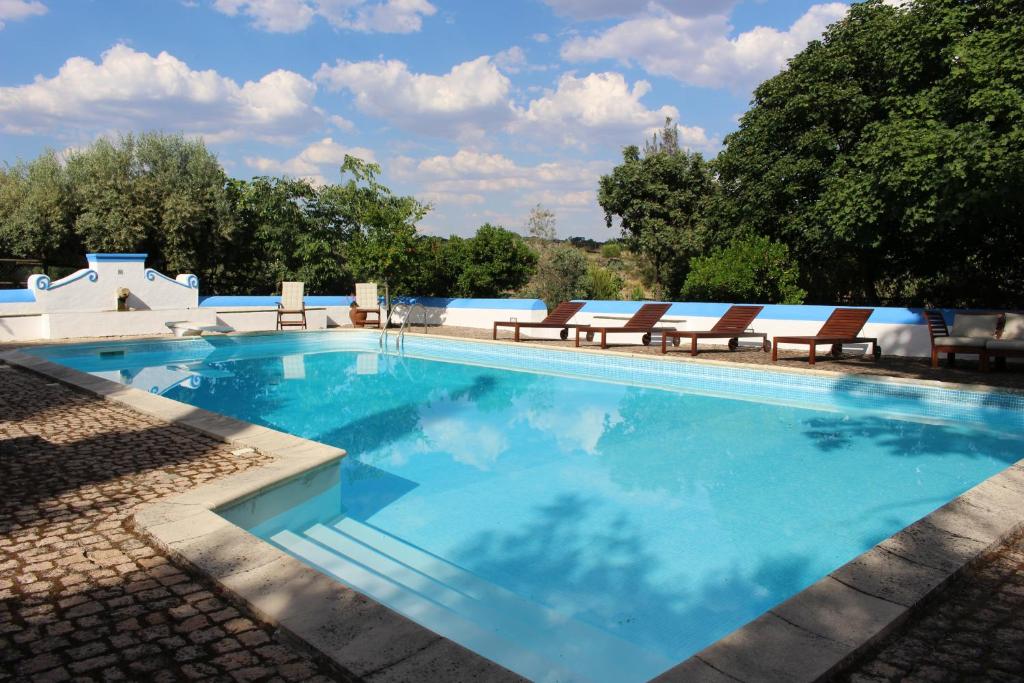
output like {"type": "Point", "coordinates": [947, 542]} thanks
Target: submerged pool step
{"type": "Point", "coordinates": [424, 611]}
{"type": "Point", "coordinates": [420, 577]}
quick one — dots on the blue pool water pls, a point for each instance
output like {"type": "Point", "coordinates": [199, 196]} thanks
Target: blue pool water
{"type": "Point", "coordinates": [578, 523]}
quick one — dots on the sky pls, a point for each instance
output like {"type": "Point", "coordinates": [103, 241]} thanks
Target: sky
{"type": "Point", "coordinates": [481, 108]}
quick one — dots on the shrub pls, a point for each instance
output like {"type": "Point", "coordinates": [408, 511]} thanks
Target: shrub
{"type": "Point", "coordinates": [753, 269]}
{"type": "Point", "coordinates": [602, 283]}
{"type": "Point", "coordinates": [611, 250]}
{"type": "Point", "coordinates": [561, 275]}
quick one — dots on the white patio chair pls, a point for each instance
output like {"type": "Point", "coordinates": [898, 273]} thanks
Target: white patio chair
{"type": "Point", "coordinates": [368, 302]}
{"type": "Point", "coordinates": [292, 304]}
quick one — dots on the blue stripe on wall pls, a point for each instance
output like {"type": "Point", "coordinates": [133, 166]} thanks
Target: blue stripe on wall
{"type": "Point", "coordinates": [231, 301]}
{"type": "Point", "coordinates": [503, 304]}
{"type": "Point", "coordinates": [17, 296]}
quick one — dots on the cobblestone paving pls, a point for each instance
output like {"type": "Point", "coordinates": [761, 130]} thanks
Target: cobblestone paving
{"type": "Point", "coordinates": [82, 597]}
{"type": "Point", "coordinates": [973, 632]}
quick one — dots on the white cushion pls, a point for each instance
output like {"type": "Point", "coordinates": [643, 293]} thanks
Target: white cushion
{"type": "Point", "coordinates": [975, 325]}
{"type": "Point", "coordinates": [1014, 327]}
{"type": "Point", "coordinates": [976, 342]}
{"type": "Point", "coordinates": [1005, 345]}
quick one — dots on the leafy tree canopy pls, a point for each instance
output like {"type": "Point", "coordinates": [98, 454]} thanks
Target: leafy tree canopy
{"type": "Point", "coordinates": [889, 156]}
{"type": "Point", "coordinates": [752, 269]}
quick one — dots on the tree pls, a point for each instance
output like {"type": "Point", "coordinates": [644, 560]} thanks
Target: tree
{"type": "Point", "coordinates": [160, 194]}
{"type": "Point", "coordinates": [497, 261]}
{"type": "Point", "coordinates": [561, 275]}
{"type": "Point", "coordinates": [382, 245]}
{"type": "Point", "coordinates": [754, 270]}
{"type": "Point", "coordinates": [37, 211]}
{"type": "Point", "coordinates": [659, 199]}
{"type": "Point", "coordinates": [541, 224]}
{"type": "Point", "coordinates": [889, 156]}
{"type": "Point", "coordinates": [602, 283]}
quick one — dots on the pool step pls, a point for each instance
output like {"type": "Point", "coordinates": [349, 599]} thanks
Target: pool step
{"type": "Point", "coordinates": [525, 636]}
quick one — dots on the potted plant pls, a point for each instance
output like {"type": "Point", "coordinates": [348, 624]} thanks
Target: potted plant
{"type": "Point", "coordinates": [357, 317]}
{"type": "Point", "coordinates": [122, 298]}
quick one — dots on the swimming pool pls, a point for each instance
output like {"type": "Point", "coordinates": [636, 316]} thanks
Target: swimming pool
{"type": "Point", "coordinates": [576, 516]}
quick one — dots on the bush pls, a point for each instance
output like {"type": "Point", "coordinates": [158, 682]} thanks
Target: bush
{"type": "Point", "coordinates": [752, 269]}
{"type": "Point", "coordinates": [602, 283]}
{"type": "Point", "coordinates": [611, 250]}
{"type": "Point", "coordinates": [561, 275]}
{"type": "Point", "coordinates": [496, 261]}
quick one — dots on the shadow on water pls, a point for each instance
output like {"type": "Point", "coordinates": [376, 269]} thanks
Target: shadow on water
{"type": "Point", "coordinates": [611, 579]}
{"type": "Point", "coordinates": [835, 433]}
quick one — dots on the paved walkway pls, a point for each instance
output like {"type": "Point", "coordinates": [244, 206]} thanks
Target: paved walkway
{"type": "Point", "coordinates": [972, 632]}
{"type": "Point", "coordinates": [82, 596]}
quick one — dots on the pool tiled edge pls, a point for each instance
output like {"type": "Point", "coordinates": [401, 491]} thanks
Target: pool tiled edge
{"type": "Point", "coordinates": [809, 637]}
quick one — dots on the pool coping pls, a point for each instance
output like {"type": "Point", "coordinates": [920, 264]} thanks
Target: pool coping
{"type": "Point", "coordinates": [809, 637]}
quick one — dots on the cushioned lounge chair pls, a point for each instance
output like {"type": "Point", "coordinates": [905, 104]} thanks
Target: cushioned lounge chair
{"type": "Point", "coordinates": [734, 325]}
{"type": "Point", "coordinates": [291, 311]}
{"type": "Point", "coordinates": [643, 322]}
{"type": "Point", "coordinates": [556, 319]}
{"type": "Point", "coordinates": [367, 301]}
{"type": "Point", "coordinates": [842, 327]}
{"type": "Point", "coordinates": [1011, 340]}
{"type": "Point", "coordinates": [971, 334]}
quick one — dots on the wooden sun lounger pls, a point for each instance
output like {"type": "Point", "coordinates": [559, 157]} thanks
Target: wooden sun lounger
{"type": "Point", "coordinates": [969, 338]}
{"type": "Point", "coordinates": [558, 318]}
{"type": "Point", "coordinates": [642, 322]}
{"type": "Point", "coordinates": [842, 327]}
{"type": "Point", "coordinates": [733, 326]}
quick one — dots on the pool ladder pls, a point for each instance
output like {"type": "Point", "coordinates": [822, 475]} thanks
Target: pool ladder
{"type": "Point", "coordinates": [382, 342]}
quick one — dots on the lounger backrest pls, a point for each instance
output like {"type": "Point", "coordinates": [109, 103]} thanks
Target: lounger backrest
{"type": "Point", "coordinates": [737, 319]}
{"type": "Point", "coordinates": [563, 312]}
{"type": "Point", "coordinates": [845, 322]}
{"type": "Point", "coordinates": [936, 323]}
{"type": "Point", "coordinates": [291, 296]}
{"type": "Point", "coordinates": [976, 324]}
{"type": "Point", "coordinates": [648, 315]}
{"type": "Point", "coordinates": [366, 295]}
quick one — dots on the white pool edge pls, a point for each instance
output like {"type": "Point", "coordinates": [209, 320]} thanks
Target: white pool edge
{"type": "Point", "coordinates": [809, 637]}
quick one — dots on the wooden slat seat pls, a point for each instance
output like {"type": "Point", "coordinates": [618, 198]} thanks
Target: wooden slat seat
{"type": "Point", "coordinates": [842, 327]}
{"type": "Point", "coordinates": [556, 319]}
{"type": "Point", "coordinates": [643, 322]}
{"type": "Point", "coordinates": [734, 325]}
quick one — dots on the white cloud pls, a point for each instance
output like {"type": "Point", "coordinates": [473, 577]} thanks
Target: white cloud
{"type": "Point", "coordinates": [472, 98]}
{"type": "Point", "coordinates": [607, 9]}
{"type": "Point", "coordinates": [555, 184]}
{"type": "Point", "coordinates": [540, 37]}
{"type": "Point", "coordinates": [16, 10]}
{"type": "Point", "coordinates": [604, 107]}
{"type": "Point", "coordinates": [699, 51]}
{"type": "Point", "coordinates": [134, 90]}
{"type": "Point", "coordinates": [313, 162]}
{"type": "Point", "coordinates": [289, 16]}
{"type": "Point", "coordinates": [511, 60]}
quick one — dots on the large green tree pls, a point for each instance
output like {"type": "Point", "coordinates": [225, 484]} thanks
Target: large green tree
{"type": "Point", "coordinates": [658, 196]}
{"type": "Point", "coordinates": [889, 156]}
{"type": "Point", "coordinates": [496, 262]}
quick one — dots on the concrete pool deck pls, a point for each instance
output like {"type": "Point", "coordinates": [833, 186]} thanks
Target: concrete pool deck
{"type": "Point", "coordinates": [814, 634]}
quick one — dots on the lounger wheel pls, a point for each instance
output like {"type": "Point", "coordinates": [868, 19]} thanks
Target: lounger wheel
{"type": "Point", "coordinates": [564, 334]}
{"type": "Point", "coordinates": [590, 336]}
{"type": "Point", "coordinates": [766, 346]}
{"type": "Point", "coordinates": [646, 339]}
{"type": "Point", "coordinates": [837, 350]}
{"type": "Point", "coordinates": [676, 341]}
{"type": "Point", "coordinates": [878, 352]}
{"type": "Point", "coordinates": [734, 344]}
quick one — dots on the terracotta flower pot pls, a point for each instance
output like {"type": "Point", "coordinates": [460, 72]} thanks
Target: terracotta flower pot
{"type": "Point", "coordinates": [357, 317]}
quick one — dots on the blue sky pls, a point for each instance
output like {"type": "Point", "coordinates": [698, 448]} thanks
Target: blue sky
{"type": "Point", "coordinates": [483, 109]}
